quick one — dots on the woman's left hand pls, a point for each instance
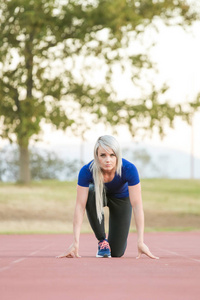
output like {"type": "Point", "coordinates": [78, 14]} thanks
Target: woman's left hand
{"type": "Point", "coordinates": [143, 249]}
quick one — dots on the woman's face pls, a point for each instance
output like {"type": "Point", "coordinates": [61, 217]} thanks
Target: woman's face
{"type": "Point", "coordinates": [107, 159]}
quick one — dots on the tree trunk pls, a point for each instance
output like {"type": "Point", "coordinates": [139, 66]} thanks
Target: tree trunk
{"type": "Point", "coordinates": [25, 174]}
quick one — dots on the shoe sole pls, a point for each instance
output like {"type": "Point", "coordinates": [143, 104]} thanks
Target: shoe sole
{"type": "Point", "coordinates": [104, 256]}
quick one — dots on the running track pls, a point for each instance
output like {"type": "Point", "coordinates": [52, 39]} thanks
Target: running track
{"type": "Point", "coordinates": [29, 269]}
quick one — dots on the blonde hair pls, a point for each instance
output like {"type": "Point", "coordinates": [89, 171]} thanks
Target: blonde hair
{"type": "Point", "coordinates": [106, 142]}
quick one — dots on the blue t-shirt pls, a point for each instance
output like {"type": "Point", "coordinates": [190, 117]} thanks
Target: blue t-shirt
{"type": "Point", "coordinates": [118, 187]}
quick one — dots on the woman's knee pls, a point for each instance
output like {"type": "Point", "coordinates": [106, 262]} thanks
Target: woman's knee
{"type": "Point", "coordinates": [117, 253]}
{"type": "Point", "coordinates": [118, 248]}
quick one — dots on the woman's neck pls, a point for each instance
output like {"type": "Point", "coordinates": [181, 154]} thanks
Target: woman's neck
{"type": "Point", "coordinates": [108, 175]}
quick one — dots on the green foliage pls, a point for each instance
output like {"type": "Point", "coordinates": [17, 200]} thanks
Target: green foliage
{"type": "Point", "coordinates": [196, 104]}
{"type": "Point", "coordinates": [9, 164]}
{"type": "Point", "coordinates": [50, 51]}
{"type": "Point", "coordinates": [35, 34]}
{"type": "Point", "coordinates": [47, 165]}
{"type": "Point", "coordinates": [44, 164]}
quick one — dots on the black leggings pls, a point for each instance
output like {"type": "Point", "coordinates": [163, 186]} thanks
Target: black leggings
{"type": "Point", "coordinates": [119, 221]}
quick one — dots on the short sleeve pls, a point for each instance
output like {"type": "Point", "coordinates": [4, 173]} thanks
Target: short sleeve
{"type": "Point", "coordinates": [84, 176]}
{"type": "Point", "coordinates": [131, 174]}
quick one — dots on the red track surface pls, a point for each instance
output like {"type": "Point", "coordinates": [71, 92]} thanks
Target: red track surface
{"type": "Point", "coordinates": [29, 269]}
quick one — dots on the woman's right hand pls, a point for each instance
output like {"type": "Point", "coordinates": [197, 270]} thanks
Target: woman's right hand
{"type": "Point", "coordinates": [71, 252]}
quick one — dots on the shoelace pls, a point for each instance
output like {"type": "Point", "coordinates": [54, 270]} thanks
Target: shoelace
{"type": "Point", "coordinates": [104, 245]}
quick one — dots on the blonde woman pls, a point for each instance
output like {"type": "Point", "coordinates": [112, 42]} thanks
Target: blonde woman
{"type": "Point", "coordinates": [109, 180]}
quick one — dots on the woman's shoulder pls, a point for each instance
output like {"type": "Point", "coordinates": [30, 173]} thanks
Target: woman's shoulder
{"type": "Point", "coordinates": [127, 164]}
{"type": "Point", "coordinates": [85, 175]}
{"type": "Point", "coordinates": [86, 168]}
{"type": "Point", "coordinates": [129, 170]}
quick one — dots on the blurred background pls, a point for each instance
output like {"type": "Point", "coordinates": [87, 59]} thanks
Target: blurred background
{"type": "Point", "coordinates": [71, 71]}
{"type": "Point", "coordinates": [76, 71]}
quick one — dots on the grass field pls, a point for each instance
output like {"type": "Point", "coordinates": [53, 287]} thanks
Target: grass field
{"type": "Point", "coordinates": [48, 206]}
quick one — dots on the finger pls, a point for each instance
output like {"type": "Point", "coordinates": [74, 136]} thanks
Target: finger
{"type": "Point", "coordinates": [65, 255]}
{"type": "Point", "coordinates": [153, 256]}
{"type": "Point", "coordinates": [70, 255]}
{"type": "Point", "coordinates": [139, 254]}
{"type": "Point", "coordinates": [61, 256]}
{"type": "Point", "coordinates": [77, 255]}
{"type": "Point", "coordinates": [149, 254]}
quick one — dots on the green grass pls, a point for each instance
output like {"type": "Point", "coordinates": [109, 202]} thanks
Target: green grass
{"type": "Point", "coordinates": [48, 206]}
{"type": "Point", "coordinates": [167, 195]}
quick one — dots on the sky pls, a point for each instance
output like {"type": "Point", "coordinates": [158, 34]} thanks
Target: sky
{"type": "Point", "coordinates": [178, 59]}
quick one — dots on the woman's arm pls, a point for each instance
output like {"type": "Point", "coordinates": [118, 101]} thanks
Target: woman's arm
{"type": "Point", "coordinates": [136, 202]}
{"type": "Point", "coordinates": [81, 200]}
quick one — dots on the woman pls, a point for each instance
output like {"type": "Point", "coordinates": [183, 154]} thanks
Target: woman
{"type": "Point", "coordinates": [112, 181]}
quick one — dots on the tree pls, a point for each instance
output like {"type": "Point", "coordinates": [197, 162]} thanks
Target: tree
{"type": "Point", "coordinates": [48, 165]}
{"type": "Point", "coordinates": [44, 164]}
{"type": "Point", "coordinates": [49, 50]}
{"type": "Point", "coordinates": [9, 163]}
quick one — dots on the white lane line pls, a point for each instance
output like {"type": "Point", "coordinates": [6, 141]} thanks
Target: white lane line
{"type": "Point", "coordinates": [23, 258]}
{"type": "Point", "coordinates": [177, 254]}
{"type": "Point", "coordinates": [4, 268]}
{"type": "Point", "coordinates": [18, 260]}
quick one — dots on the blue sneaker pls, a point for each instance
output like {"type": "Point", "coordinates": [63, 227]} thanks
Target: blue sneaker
{"type": "Point", "coordinates": [103, 249]}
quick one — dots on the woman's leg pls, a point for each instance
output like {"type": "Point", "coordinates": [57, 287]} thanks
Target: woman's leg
{"type": "Point", "coordinates": [99, 229]}
{"type": "Point", "coordinates": [119, 224]}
